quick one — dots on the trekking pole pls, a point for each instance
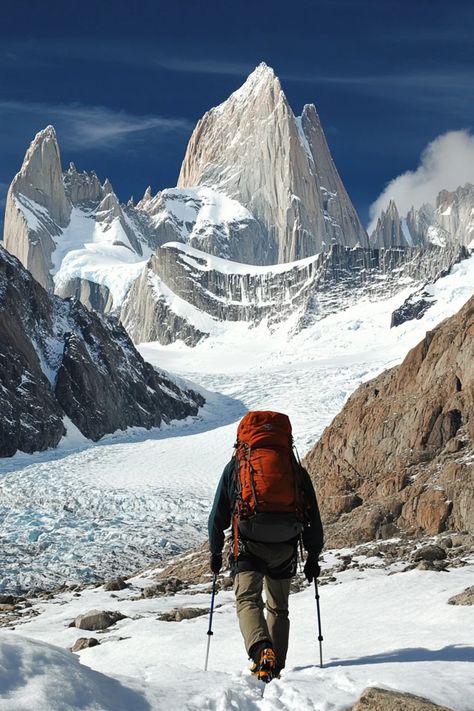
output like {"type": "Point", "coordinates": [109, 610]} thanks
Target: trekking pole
{"type": "Point", "coordinates": [320, 636]}
{"type": "Point", "coordinates": [211, 612]}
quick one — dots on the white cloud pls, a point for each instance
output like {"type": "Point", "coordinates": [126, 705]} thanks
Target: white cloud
{"type": "Point", "coordinates": [445, 164]}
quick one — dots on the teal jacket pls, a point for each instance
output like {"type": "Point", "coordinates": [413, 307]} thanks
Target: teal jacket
{"type": "Point", "coordinates": [221, 514]}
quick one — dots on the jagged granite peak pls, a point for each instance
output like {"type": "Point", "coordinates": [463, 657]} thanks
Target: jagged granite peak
{"type": "Point", "coordinates": [147, 196]}
{"type": "Point", "coordinates": [449, 220]}
{"type": "Point", "coordinates": [389, 229]}
{"type": "Point", "coordinates": [40, 178]}
{"type": "Point", "coordinates": [36, 230]}
{"type": "Point", "coordinates": [455, 213]}
{"type": "Point", "coordinates": [57, 359]}
{"type": "Point", "coordinates": [37, 207]}
{"type": "Point", "coordinates": [253, 149]}
{"type": "Point", "coordinates": [399, 456]}
{"type": "Point", "coordinates": [107, 188]}
{"type": "Point", "coordinates": [82, 187]}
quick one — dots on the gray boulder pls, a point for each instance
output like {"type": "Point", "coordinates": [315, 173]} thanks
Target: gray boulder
{"type": "Point", "coordinates": [429, 553]}
{"type": "Point", "coordinates": [374, 699]}
{"type": "Point", "coordinates": [464, 598]}
{"type": "Point", "coordinates": [97, 620]}
{"type": "Point", "coordinates": [183, 613]}
{"type": "Point", "coordinates": [84, 643]}
{"type": "Point", "coordinates": [115, 584]}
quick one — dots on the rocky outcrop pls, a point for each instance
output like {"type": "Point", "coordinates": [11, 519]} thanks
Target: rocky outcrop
{"type": "Point", "coordinates": [253, 149]}
{"type": "Point", "coordinates": [58, 358]}
{"type": "Point", "coordinates": [400, 455]}
{"type": "Point", "coordinates": [94, 296]}
{"type": "Point", "coordinates": [421, 299]}
{"type": "Point", "coordinates": [182, 293]}
{"type": "Point", "coordinates": [449, 221]}
{"type": "Point", "coordinates": [373, 699]}
{"type": "Point", "coordinates": [391, 231]}
{"type": "Point", "coordinates": [82, 188]}
{"type": "Point", "coordinates": [455, 214]}
{"type": "Point", "coordinates": [194, 291]}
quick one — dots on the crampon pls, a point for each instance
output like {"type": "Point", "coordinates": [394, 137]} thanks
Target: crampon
{"type": "Point", "coordinates": [265, 669]}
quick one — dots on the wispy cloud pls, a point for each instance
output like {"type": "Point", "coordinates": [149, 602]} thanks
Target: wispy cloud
{"type": "Point", "coordinates": [387, 82]}
{"type": "Point", "coordinates": [93, 126]}
{"type": "Point", "coordinates": [445, 164]}
{"type": "Point", "coordinates": [205, 66]}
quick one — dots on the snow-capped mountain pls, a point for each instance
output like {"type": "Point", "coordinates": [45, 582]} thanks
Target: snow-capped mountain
{"type": "Point", "coordinates": [258, 187]}
{"type": "Point", "coordinates": [449, 221]}
{"type": "Point", "coordinates": [254, 149]}
{"type": "Point", "coordinates": [60, 360]}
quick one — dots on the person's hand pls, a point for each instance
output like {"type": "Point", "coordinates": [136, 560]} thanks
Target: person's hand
{"type": "Point", "coordinates": [311, 568]}
{"type": "Point", "coordinates": [215, 563]}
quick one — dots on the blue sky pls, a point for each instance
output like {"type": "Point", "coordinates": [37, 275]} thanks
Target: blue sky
{"type": "Point", "coordinates": [124, 83]}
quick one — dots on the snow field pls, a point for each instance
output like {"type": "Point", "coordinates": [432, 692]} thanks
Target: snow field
{"type": "Point", "coordinates": [395, 631]}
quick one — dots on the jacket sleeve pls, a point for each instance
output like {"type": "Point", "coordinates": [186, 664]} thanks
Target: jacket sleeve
{"type": "Point", "coordinates": [221, 512]}
{"type": "Point", "coordinates": [313, 537]}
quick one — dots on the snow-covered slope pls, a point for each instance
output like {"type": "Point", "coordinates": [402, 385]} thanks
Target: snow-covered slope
{"type": "Point", "coordinates": [205, 219]}
{"type": "Point", "coordinates": [381, 627]}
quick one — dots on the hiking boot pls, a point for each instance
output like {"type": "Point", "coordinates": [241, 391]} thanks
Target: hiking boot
{"type": "Point", "coordinates": [265, 668]}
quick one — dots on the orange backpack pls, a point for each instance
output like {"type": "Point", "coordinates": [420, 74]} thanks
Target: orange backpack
{"type": "Point", "coordinates": [269, 504]}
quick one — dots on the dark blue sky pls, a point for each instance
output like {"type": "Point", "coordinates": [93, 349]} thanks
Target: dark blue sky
{"type": "Point", "coordinates": [124, 83]}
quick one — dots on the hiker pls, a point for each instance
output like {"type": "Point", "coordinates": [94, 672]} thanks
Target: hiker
{"type": "Point", "coordinates": [269, 499]}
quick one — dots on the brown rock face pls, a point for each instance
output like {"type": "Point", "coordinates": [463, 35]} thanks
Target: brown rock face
{"type": "Point", "coordinates": [373, 699]}
{"type": "Point", "coordinates": [400, 455]}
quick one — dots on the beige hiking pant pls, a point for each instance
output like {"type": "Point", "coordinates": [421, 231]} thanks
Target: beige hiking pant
{"type": "Point", "coordinates": [248, 586]}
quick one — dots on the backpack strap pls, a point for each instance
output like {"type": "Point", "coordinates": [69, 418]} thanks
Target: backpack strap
{"type": "Point", "coordinates": [237, 504]}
